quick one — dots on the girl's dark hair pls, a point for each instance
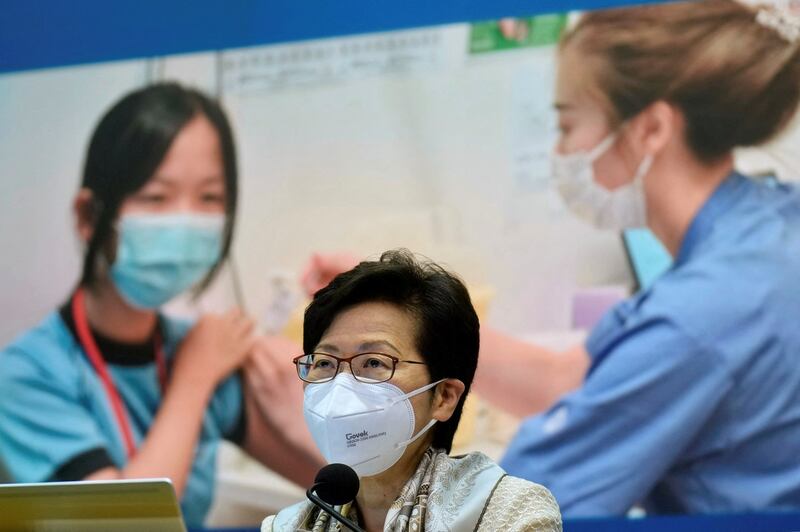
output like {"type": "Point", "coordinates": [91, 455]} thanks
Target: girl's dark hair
{"type": "Point", "coordinates": [447, 332]}
{"type": "Point", "coordinates": [129, 144]}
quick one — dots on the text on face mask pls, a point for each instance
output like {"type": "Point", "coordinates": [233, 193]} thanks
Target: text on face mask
{"type": "Point", "coordinates": [352, 439]}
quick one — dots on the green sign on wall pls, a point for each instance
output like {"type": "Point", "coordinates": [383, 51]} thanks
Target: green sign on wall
{"type": "Point", "coordinates": [511, 33]}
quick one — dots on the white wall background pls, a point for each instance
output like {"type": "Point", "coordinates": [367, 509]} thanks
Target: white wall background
{"type": "Point", "coordinates": [436, 150]}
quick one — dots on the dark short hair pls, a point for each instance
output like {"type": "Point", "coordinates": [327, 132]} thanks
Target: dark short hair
{"type": "Point", "coordinates": [130, 142]}
{"type": "Point", "coordinates": [447, 332]}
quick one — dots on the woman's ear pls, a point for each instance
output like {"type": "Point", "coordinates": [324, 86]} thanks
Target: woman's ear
{"type": "Point", "coordinates": [658, 124]}
{"type": "Point", "coordinates": [445, 398]}
{"type": "Point", "coordinates": [85, 210]}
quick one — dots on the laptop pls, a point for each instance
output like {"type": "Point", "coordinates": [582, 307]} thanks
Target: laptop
{"type": "Point", "coordinates": [647, 257]}
{"type": "Point", "coordinates": [92, 506]}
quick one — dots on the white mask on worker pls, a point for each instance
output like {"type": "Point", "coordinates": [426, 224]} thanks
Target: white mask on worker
{"type": "Point", "coordinates": [621, 208]}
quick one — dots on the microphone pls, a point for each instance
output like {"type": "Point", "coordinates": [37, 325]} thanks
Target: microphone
{"type": "Point", "coordinates": [334, 485]}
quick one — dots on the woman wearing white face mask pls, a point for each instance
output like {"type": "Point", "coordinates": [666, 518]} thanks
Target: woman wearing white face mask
{"type": "Point", "coordinates": [391, 348]}
{"type": "Point", "coordinates": [108, 387]}
{"type": "Point", "coordinates": [691, 401]}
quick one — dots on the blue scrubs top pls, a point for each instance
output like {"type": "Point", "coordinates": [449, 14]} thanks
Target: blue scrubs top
{"type": "Point", "coordinates": [56, 421]}
{"type": "Point", "coordinates": [692, 400]}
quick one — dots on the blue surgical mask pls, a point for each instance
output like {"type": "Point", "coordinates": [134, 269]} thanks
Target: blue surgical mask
{"type": "Point", "coordinates": [159, 256]}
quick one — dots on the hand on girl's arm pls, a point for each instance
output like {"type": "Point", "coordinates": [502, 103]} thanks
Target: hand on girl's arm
{"type": "Point", "coordinates": [277, 435]}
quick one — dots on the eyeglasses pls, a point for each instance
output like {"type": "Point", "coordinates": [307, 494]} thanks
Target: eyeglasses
{"type": "Point", "coordinates": [369, 368]}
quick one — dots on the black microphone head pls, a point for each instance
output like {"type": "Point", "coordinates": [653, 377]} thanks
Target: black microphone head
{"type": "Point", "coordinates": [336, 484]}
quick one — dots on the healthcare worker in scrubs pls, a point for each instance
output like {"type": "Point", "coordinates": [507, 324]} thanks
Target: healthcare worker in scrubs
{"type": "Point", "coordinates": [108, 387]}
{"type": "Point", "coordinates": [687, 395]}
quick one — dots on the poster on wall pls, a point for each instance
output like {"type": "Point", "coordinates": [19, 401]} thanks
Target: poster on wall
{"type": "Point", "coordinates": [515, 33]}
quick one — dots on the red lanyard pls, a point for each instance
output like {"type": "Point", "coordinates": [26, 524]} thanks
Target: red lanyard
{"type": "Point", "coordinates": [93, 354]}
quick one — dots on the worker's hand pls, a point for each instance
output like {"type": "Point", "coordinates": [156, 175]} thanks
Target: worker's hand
{"type": "Point", "coordinates": [277, 433]}
{"type": "Point", "coordinates": [272, 381]}
{"type": "Point", "coordinates": [217, 345]}
{"type": "Point", "coordinates": [272, 377]}
{"type": "Point", "coordinates": [322, 268]}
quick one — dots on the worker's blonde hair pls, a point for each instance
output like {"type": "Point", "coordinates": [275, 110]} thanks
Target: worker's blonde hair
{"type": "Point", "coordinates": [735, 79]}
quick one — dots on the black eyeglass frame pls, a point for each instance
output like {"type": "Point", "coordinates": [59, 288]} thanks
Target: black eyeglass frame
{"type": "Point", "coordinates": [339, 360]}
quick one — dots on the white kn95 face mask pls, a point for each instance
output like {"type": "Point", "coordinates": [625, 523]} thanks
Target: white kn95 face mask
{"type": "Point", "coordinates": [365, 426]}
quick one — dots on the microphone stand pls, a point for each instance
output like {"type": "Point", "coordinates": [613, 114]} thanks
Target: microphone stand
{"type": "Point", "coordinates": [330, 509]}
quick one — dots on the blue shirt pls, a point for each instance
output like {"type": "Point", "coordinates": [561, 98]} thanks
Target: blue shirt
{"type": "Point", "coordinates": [692, 400]}
{"type": "Point", "coordinates": [55, 414]}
